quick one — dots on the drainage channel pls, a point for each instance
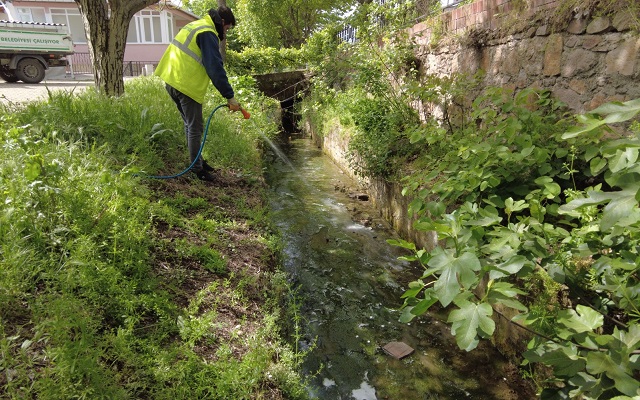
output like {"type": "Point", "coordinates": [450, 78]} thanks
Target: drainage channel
{"type": "Point", "coordinates": [349, 282]}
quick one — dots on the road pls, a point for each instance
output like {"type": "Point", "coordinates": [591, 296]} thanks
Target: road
{"type": "Point", "coordinates": [19, 92]}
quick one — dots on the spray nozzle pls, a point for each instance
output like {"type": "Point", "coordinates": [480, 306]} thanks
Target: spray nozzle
{"type": "Point", "coordinates": [244, 112]}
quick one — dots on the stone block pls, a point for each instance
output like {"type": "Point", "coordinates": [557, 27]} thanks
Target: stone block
{"type": "Point", "coordinates": [590, 42]}
{"type": "Point", "coordinates": [623, 60]}
{"type": "Point", "coordinates": [553, 55]}
{"type": "Point", "coordinates": [569, 97]}
{"type": "Point", "coordinates": [579, 61]}
{"type": "Point", "coordinates": [623, 21]}
{"type": "Point", "coordinates": [578, 85]}
{"type": "Point", "coordinates": [599, 25]}
{"type": "Point", "coordinates": [398, 350]}
{"type": "Point", "coordinates": [571, 42]}
{"type": "Point", "coordinates": [531, 32]}
{"type": "Point", "coordinates": [577, 26]}
{"type": "Point", "coordinates": [543, 30]}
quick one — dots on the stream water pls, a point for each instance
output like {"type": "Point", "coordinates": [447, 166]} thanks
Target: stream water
{"type": "Point", "coordinates": [349, 283]}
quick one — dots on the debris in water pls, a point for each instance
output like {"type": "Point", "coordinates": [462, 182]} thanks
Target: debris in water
{"type": "Point", "coordinates": [359, 196]}
{"type": "Point", "coordinates": [398, 350]}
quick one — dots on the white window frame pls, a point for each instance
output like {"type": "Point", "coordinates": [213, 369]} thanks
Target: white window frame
{"type": "Point", "coordinates": [164, 18]}
{"type": "Point", "coordinates": [167, 27]}
{"type": "Point", "coordinates": [25, 14]}
{"type": "Point", "coordinates": [65, 12]}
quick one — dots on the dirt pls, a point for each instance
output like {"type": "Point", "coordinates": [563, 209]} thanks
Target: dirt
{"type": "Point", "coordinates": [239, 242]}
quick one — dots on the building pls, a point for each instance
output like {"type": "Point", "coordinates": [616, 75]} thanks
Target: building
{"type": "Point", "coordinates": [150, 31]}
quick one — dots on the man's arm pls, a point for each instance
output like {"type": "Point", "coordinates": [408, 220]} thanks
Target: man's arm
{"type": "Point", "coordinates": [212, 61]}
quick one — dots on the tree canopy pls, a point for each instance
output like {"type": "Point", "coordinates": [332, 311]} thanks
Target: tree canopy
{"type": "Point", "coordinates": [286, 23]}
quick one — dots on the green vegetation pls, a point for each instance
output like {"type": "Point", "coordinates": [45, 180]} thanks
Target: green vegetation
{"type": "Point", "coordinates": [264, 60]}
{"type": "Point", "coordinates": [115, 286]}
{"type": "Point", "coordinates": [536, 210]}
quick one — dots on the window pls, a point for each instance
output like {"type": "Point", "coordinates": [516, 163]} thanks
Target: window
{"type": "Point", "coordinates": [71, 18]}
{"type": "Point", "coordinates": [132, 35]}
{"type": "Point", "coordinates": [151, 27]}
{"type": "Point", "coordinates": [169, 25]}
{"type": "Point", "coordinates": [28, 14]}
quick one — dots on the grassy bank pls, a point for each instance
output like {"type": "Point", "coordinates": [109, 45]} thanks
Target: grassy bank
{"type": "Point", "coordinates": [117, 286]}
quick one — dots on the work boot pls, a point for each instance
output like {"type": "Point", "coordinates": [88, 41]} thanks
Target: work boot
{"type": "Point", "coordinates": [207, 167]}
{"type": "Point", "coordinates": [205, 176]}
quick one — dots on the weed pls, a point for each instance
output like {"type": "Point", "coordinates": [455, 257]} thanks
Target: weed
{"type": "Point", "coordinates": [101, 273]}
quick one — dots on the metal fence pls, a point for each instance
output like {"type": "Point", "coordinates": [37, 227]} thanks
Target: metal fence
{"type": "Point", "coordinates": [80, 63]}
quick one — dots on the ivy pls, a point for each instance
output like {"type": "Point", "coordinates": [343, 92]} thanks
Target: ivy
{"type": "Point", "coordinates": [530, 200]}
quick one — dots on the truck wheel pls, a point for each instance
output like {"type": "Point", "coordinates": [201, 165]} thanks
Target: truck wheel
{"type": "Point", "coordinates": [8, 75]}
{"type": "Point", "coordinates": [29, 70]}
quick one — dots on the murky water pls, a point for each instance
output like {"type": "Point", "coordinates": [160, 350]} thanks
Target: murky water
{"type": "Point", "coordinates": [350, 282]}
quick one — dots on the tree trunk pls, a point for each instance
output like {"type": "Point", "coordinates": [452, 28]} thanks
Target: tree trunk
{"type": "Point", "coordinates": [106, 24]}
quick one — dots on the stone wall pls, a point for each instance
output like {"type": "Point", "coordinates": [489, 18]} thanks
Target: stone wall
{"type": "Point", "coordinates": [585, 61]}
{"type": "Point", "coordinates": [385, 197]}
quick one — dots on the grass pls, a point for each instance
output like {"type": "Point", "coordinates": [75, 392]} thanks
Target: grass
{"type": "Point", "coordinates": [113, 286]}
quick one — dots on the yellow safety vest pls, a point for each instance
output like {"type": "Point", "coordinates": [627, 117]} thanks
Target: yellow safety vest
{"type": "Point", "coordinates": [181, 65]}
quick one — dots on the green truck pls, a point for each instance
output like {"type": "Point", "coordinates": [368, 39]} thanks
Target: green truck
{"type": "Point", "coordinates": [28, 49]}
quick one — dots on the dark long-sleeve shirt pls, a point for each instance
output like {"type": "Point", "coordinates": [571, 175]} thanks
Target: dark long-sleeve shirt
{"type": "Point", "coordinates": [212, 61]}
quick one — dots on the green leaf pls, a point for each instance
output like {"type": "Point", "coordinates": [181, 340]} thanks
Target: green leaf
{"type": "Point", "coordinates": [627, 180]}
{"type": "Point", "coordinates": [618, 209]}
{"type": "Point", "coordinates": [564, 359]}
{"type": "Point", "coordinates": [505, 293]}
{"type": "Point", "coordinates": [32, 170]}
{"type": "Point", "coordinates": [623, 159]}
{"type": "Point", "coordinates": [527, 151]}
{"type": "Point", "coordinates": [455, 273]}
{"type": "Point", "coordinates": [588, 126]}
{"type": "Point", "coordinates": [599, 362]}
{"type": "Point", "coordinates": [595, 198]}
{"type": "Point", "coordinates": [617, 107]}
{"type": "Point", "coordinates": [631, 338]}
{"type": "Point", "coordinates": [590, 152]}
{"type": "Point", "coordinates": [411, 292]}
{"type": "Point", "coordinates": [406, 316]}
{"type": "Point", "coordinates": [513, 206]}
{"type": "Point", "coordinates": [597, 164]}
{"type": "Point", "coordinates": [584, 382]}
{"type": "Point", "coordinates": [584, 320]}
{"type": "Point", "coordinates": [469, 322]}
{"type": "Point", "coordinates": [424, 305]}
{"type": "Point", "coordinates": [554, 394]}
{"type": "Point", "coordinates": [509, 267]}
{"type": "Point", "coordinates": [402, 243]}
{"type": "Point", "coordinates": [551, 190]}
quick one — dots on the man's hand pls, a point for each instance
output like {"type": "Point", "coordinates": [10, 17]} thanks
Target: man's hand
{"type": "Point", "coordinates": [233, 104]}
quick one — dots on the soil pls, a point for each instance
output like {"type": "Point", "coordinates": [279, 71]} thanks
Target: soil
{"type": "Point", "coordinates": [240, 243]}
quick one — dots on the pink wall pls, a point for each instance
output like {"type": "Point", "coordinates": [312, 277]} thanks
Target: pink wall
{"type": "Point", "coordinates": [484, 14]}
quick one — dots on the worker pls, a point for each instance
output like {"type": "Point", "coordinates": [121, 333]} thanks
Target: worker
{"type": "Point", "coordinates": [192, 60]}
